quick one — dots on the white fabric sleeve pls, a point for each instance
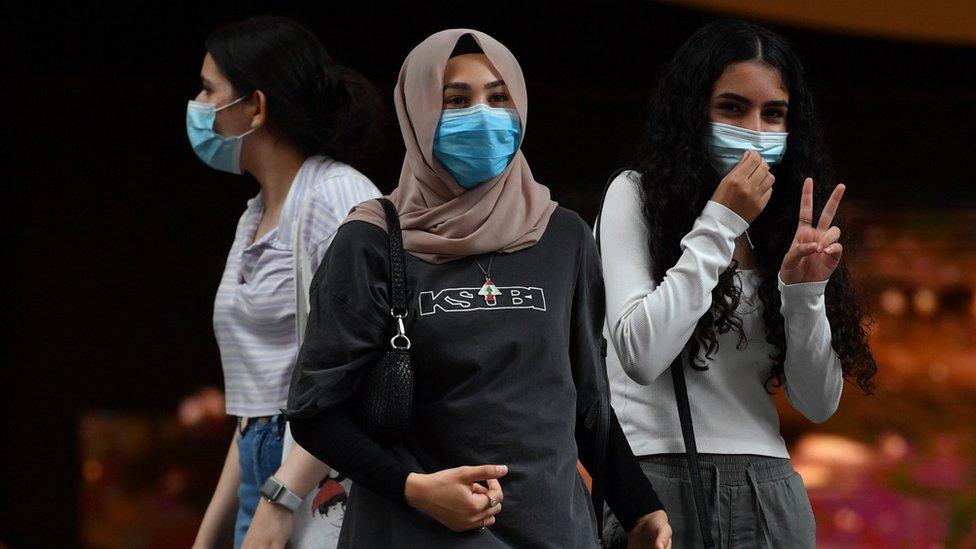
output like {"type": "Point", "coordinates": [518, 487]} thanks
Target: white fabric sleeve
{"type": "Point", "coordinates": [335, 197]}
{"type": "Point", "coordinates": [814, 379]}
{"type": "Point", "coordinates": [650, 324]}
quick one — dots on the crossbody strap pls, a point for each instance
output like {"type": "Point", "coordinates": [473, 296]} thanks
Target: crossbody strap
{"type": "Point", "coordinates": [691, 451]}
{"type": "Point", "coordinates": [684, 417]}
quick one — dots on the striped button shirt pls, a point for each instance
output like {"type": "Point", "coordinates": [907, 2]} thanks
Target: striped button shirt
{"type": "Point", "coordinates": [254, 312]}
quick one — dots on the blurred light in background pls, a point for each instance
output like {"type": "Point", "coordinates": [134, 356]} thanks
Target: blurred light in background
{"type": "Point", "coordinates": [940, 21]}
{"type": "Point", "coordinates": [148, 479]}
{"type": "Point", "coordinates": [925, 301]}
{"type": "Point", "coordinates": [893, 302]}
{"type": "Point", "coordinates": [205, 405]}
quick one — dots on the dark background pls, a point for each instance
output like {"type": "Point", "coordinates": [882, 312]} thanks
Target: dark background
{"type": "Point", "coordinates": [118, 234]}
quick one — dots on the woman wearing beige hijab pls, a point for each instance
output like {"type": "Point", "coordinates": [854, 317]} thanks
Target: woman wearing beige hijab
{"type": "Point", "coordinates": [505, 305]}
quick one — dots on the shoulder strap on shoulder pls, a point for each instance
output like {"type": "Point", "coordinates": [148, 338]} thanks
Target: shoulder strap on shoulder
{"type": "Point", "coordinates": [398, 264]}
{"type": "Point", "coordinates": [603, 198]}
{"type": "Point", "coordinates": [302, 271]}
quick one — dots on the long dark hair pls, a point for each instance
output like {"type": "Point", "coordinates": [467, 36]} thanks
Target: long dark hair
{"type": "Point", "coordinates": [320, 105]}
{"type": "Point", "coordinates": [677, 180]}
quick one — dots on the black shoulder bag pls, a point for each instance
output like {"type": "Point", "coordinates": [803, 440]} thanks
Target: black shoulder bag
{"type": "Point", "coordinates": [386, 393]}
{"type": "Point", "coordinates": [684, 416]}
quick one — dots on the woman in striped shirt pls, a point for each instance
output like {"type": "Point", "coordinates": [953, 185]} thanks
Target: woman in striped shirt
{"type": "Point", "coordinates": [274, 104]}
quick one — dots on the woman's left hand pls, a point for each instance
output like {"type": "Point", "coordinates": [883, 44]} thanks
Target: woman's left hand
{"type": "Point", "coordinates": [815, 251]}
{"type": "Point", "coordinates": [270, 528]}
{"type": "Point", "coordinates": [651, 531]}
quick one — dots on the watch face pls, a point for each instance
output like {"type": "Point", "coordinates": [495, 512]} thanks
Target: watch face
{"type": "Point", "coordinates": [272, 489]}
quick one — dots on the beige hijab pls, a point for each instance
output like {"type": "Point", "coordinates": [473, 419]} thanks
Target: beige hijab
{"type": "Point", "coordinates": [441, 221]}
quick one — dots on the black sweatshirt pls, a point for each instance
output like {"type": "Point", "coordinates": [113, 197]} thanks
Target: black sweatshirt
{"type": "Point", "coordinates": [513, 382]}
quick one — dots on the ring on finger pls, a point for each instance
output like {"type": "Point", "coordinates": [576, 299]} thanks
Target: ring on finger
{"type": "Point", "coordinates": [484, 524]}
{"type": "Point", "coordinates": [807, 221]}
{"type": "Point", "coordinates": [492, 502]}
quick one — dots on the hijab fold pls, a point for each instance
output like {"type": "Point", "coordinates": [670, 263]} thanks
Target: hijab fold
{"type": "Point", "coordinates": [440, 220]}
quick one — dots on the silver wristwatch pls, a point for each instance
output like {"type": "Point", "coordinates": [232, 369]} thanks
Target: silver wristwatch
{"type": "Point", "coordinates": [277, 493]}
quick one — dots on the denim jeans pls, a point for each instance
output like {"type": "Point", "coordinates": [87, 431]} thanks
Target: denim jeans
{"type": "Point", "coordinates": [259, 450]}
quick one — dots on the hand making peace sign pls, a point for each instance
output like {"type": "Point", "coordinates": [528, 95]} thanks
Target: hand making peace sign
{"type": "Point", "coordinates": [815, 251]}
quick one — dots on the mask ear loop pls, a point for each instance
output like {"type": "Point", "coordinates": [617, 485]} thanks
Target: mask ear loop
{"type": "Point", "coordinates": [234, 102]}
{"type": "Point", "coordinates": [749, 240]}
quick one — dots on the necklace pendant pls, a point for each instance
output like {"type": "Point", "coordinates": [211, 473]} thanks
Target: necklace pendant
{"type": "Point", "coordinates": [489, 291]}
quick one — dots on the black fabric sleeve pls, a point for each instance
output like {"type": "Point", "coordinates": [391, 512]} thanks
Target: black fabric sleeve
{"type": "Point", "coordinates": [348, 329]}
{"type": "Point", "coordinates": [628, 491]}
{"type": "Point", "coordinates": [333, 436]}
{"type": "Point", "coordinates": [348, 322]}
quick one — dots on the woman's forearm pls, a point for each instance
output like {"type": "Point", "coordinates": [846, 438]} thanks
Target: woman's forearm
{"type": "Point", "coordinates": [217, 526]}
{"type": "Point", "coordinates": [301, 471]}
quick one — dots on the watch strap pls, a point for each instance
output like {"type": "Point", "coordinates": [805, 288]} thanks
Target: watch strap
{"type": "Point", "coordinates": [277, 493]}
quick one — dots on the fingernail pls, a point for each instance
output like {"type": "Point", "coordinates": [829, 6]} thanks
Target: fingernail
{"type": "Point", "coordinates": [819, 248]}
{"type": "Point", "coordinates": [502, 469]}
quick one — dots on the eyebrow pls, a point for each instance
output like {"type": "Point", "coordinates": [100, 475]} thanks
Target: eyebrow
{"type": "Point", "coordinates": [465, 86]}
{"type": "Point", "coordinates": [746, 101]}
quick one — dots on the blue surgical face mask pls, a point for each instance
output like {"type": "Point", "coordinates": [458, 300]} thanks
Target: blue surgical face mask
{"type": "Point", "coordinates": [727, 143]}
{"type": "Point", "coordinates": [475, 144]}
{"type": "Point", "coordinates": [217, 151]}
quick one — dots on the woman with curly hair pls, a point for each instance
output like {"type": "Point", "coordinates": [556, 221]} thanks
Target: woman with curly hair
{"type": "Point", "coordinates": [720, 250]}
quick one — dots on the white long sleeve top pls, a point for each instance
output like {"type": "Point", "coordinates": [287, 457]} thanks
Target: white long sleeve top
{"type": "Point", "coordinates": [648, 324]}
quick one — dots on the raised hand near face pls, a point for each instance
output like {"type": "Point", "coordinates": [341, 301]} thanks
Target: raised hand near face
{"type": "Point", "coordinates": [815, 251]}
{"type": "Point", "coordinates": [746, 189]}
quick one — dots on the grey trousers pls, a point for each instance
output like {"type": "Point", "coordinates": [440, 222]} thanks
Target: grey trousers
{"type": "Point", "coordinates": [755, 501]}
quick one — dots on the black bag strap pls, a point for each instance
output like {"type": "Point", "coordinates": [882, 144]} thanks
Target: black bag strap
{"type": "Point", "coordinates": [684, 416]}
{"type": "Point", "coordinates": [398, 268]}
{"type": "Point", "coordinates": [691, 451]}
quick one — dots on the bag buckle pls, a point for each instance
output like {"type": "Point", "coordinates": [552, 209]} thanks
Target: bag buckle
{"type": "Point", "coordinates": [401, 335]}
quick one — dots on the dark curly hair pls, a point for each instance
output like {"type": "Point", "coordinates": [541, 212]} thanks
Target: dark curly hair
{"type": "Point", "coordinates": [676, 181]}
